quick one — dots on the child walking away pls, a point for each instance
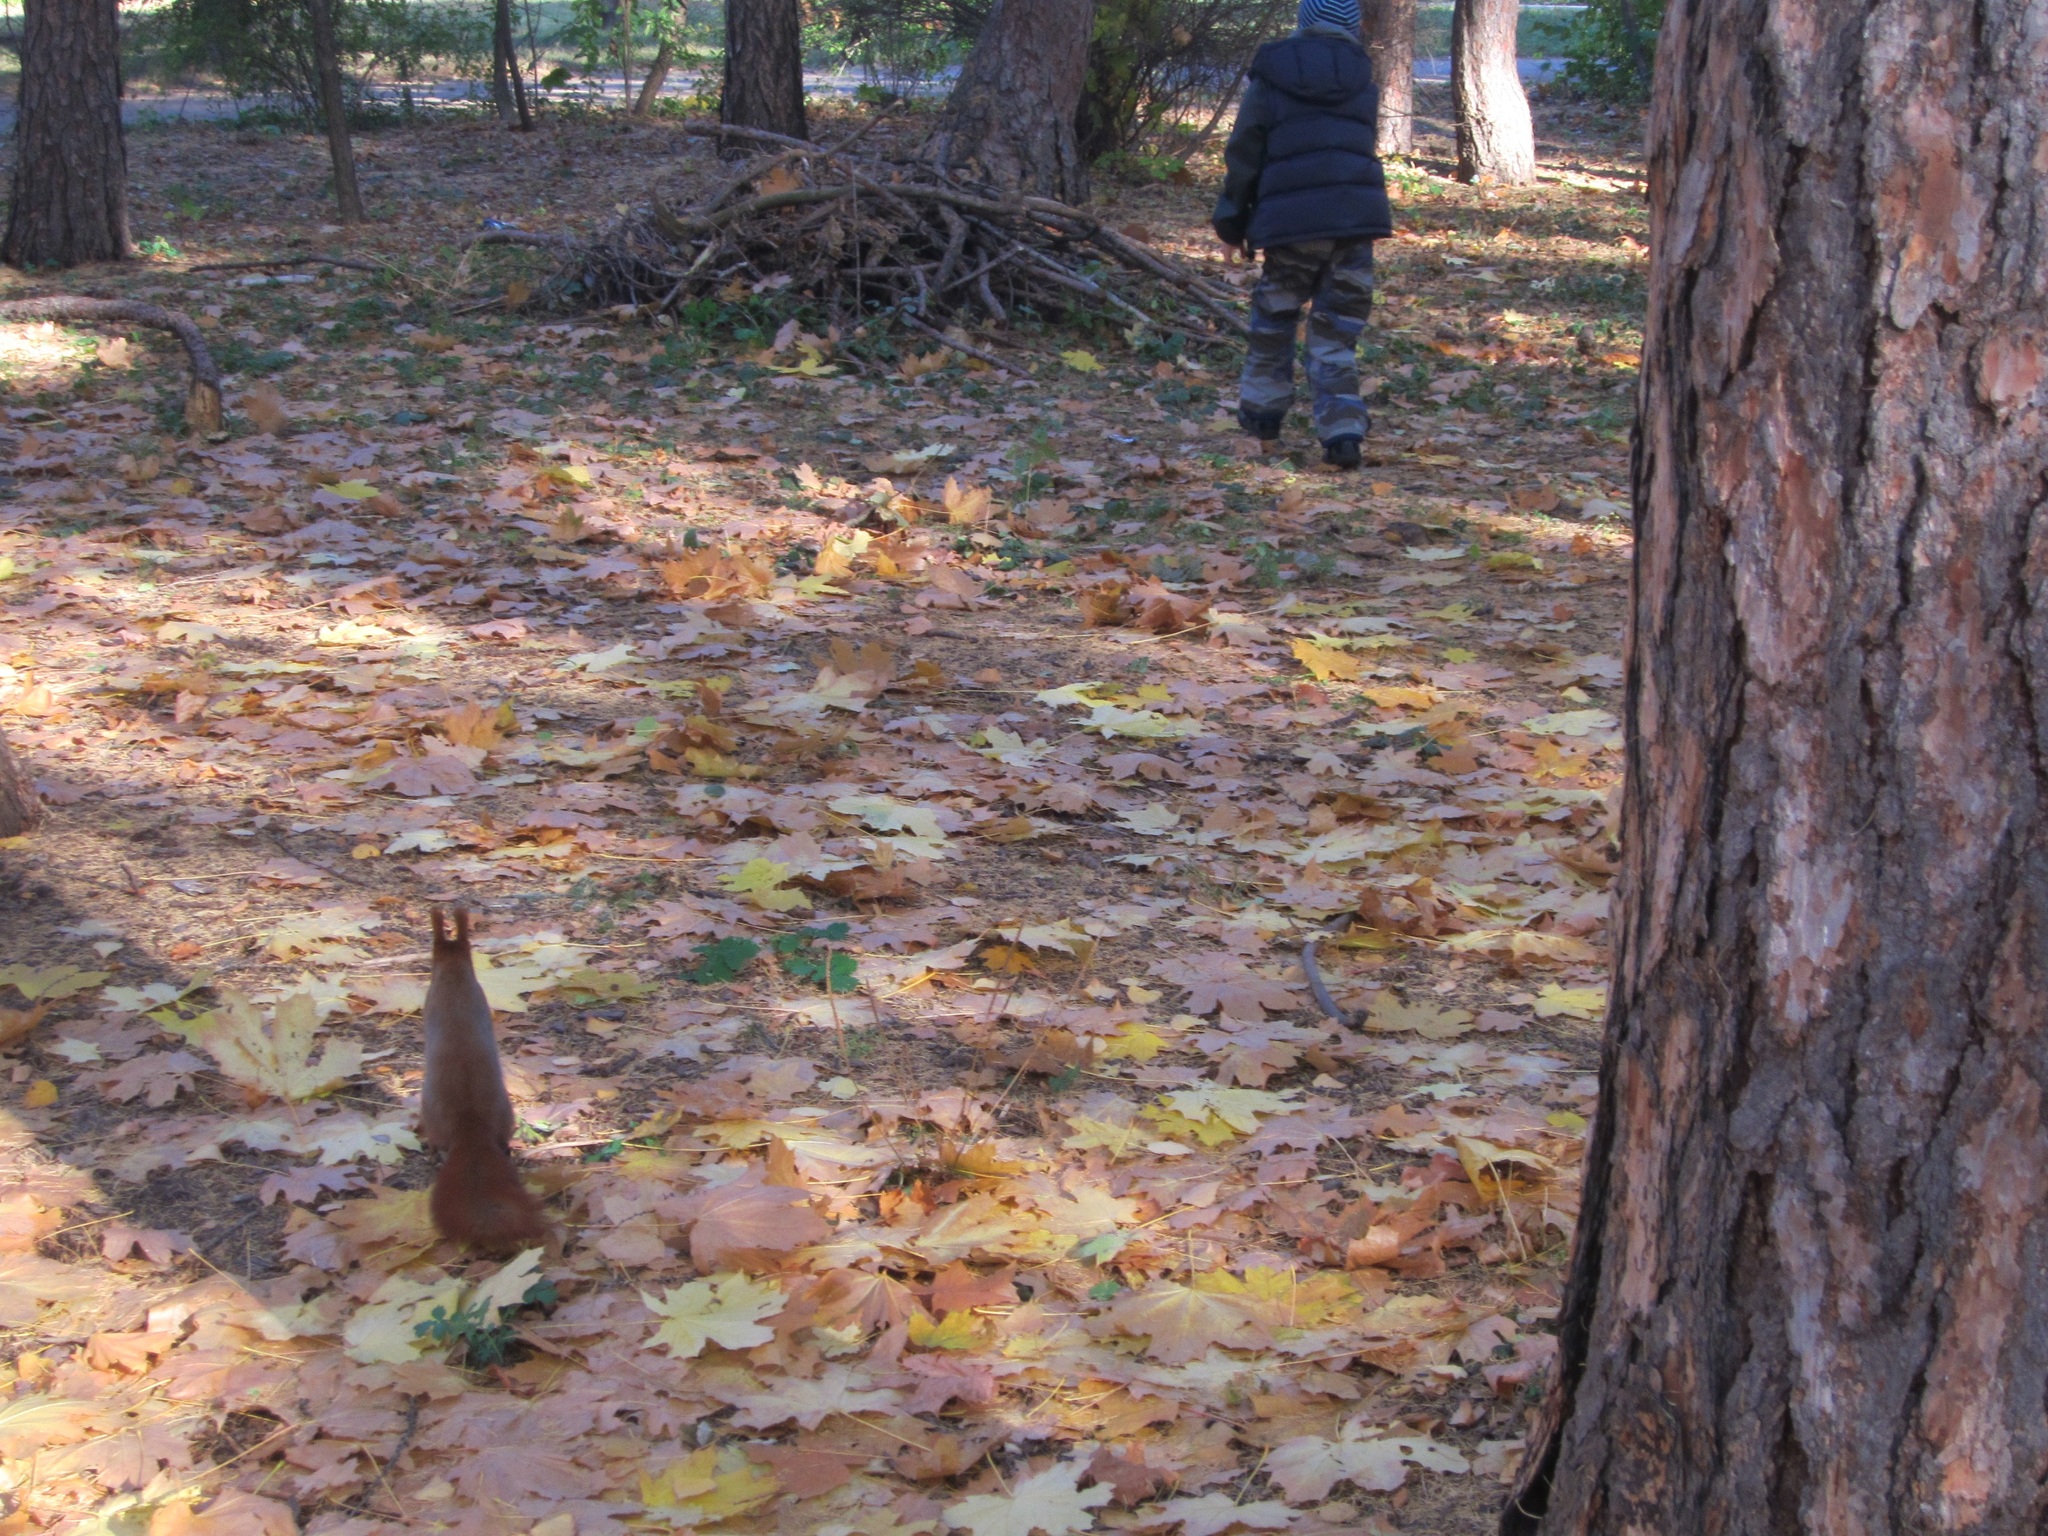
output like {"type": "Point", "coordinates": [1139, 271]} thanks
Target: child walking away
{"type": "Point", "coordinates": [1303, 185]}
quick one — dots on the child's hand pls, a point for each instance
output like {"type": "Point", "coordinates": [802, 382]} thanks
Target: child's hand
{"type": "Point", "coordinates": [1233, 252]}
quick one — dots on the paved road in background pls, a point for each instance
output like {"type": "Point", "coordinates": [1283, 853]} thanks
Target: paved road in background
{"type": "Point", "coordinates": [215, 106]}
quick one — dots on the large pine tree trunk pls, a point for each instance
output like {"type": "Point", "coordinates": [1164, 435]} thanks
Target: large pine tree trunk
{"type": "Point", "coordinates": [1496, 140]}
{"type": "Point", "coordinates": [334, 108]}
{"type": "Point", "coordinates": [70, 196]}
{"type": "Point", "coordinates": [764, 66]}
{"type": "Point", "coordinates": [1390, 39]}
{"type": "Point", "coordinates": [1807, 1294]}
{"type": "Point", "coordinates": [1012, 112]}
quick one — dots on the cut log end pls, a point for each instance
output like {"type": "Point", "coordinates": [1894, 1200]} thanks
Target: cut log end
{"type": "Point", "coordinates": [20, 807]}
{"type": "Point", "coordinates": [203, 412]}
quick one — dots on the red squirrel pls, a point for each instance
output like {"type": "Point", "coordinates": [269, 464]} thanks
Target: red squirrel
{"type": "Point", "coordinates": [465, 1111]}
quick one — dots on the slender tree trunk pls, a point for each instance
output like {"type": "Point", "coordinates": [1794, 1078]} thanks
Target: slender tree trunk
{"type": "Point", "coordinates": [1390, 39]}
{"type": "Point", "coordinates": [1011, 115]}
{"type": "Point", "coordinates": [657, 77]}
{"type": "Point", "coordinates": [519, 100]}
{"type": "Point", "coordinates": [1496, 140]}
{"type": "Point", "coordinates": [625, 51]}
{"type": "Point", "coordinates": [1807, 1297]}
{"type": "Point", "coordinates": [764, 66]}
{"type": "Point", "coordinates": [20, 807]}
{"type": "Point", "coordinates": [507, 90]}
{"type": "Point", "coordinates": [70, 196]}
{"type": "Point", "coordinates": [327, 63]}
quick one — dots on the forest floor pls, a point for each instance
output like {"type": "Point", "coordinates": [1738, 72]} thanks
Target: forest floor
{"type": "Point", "coordinates": [894, 797]}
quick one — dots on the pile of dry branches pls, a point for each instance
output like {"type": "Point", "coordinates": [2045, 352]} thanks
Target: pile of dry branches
{"type": "Point", "coordinates": [865, 232]}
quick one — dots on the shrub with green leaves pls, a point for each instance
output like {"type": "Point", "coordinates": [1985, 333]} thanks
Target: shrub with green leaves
{"type": "Point", "coordinates": [1610, 48]}
{"type": "Point", "coordinates": [265, 47]}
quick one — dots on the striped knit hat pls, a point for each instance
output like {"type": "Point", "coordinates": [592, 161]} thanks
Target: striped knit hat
{"type": "Point", "coordinates": [1339, 15]}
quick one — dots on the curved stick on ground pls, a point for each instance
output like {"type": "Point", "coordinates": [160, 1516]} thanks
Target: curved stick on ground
{"type": "Point", "coordinates": [519, 237]}
{"type": "Point", "coordinates": [349, 262]}
{"type": "Point", "coordinates": [1317, 989]}
{"type": "Point", "coordinates": [202, 399]}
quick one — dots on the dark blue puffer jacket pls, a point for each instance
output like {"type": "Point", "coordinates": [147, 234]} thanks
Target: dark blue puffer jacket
{"type": "Point", "coordinates": [1300, 164]}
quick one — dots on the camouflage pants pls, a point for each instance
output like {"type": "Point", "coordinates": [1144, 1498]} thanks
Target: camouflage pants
{"type": "Point", "coordinates": [1336, 277]}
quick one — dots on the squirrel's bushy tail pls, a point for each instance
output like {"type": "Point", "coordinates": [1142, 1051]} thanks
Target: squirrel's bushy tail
{"type": "Point", "coordinates": [479, 1200]}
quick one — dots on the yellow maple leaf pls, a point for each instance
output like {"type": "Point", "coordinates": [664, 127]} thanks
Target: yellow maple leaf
{"type": "Point", "coordinates": [274, 1058]}
{"type": "Point", "coordinates": [1081, 362]}
{"type": "Point", "coordinates": [707, 1486]}
{"type": "Point", "coordinates": [1402, 698]}
{"type": "Point", "coordinates": [1118, 1140]}
{"type": "Point", "coordinates": [760, 881]}
{"type": "Point", "coordinates": [1327, 662]}
{"type": "Point", "coordinates": [725, 1310]}
{"type": "Point", "coordinates": [957, 1330]}
{"type": "Point", "coordinates": [1571, 1002]}
{"type": "Point", "coordinates": [1133, 1042]}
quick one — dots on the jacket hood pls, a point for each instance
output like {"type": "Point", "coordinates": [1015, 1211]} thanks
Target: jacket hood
{"type": "Point", "coordinates": [1318, 67]}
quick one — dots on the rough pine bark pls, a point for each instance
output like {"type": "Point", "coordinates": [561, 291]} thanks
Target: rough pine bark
{"type": "Point", "coordinates": [20, 806]}
{"type": "Point", "coordinates": [764, 66]}
{"type": "Point", "coordinates": [1012, 112]}
{"type": "Point", "coordinates": [334, 108]}
{"type": "Point", "coordinates": [1390, 39]}
{"type": "Point", "coordinates": [69, 202]}
{"type": "Point", "coordinates": [1496, 140]}
{"type": "Point", "coordinates": [1807, 1289]}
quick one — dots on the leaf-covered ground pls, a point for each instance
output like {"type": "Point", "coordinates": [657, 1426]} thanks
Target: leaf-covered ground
{"type": "Point", "coordinates": [894, 798]}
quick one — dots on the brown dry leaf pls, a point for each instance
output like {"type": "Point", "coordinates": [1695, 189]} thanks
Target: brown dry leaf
{"type": "Point", "coordinates": [1180, 1323]}
{"type": "Point", "coordinates": [713, 575]}
{"type": "Point", "coordinates": [1389, 1015]}
{"type": "Point", "coordinates": [472, 725]}
{"type": "Point", "coordinates": [737, 1227]}
{"type": "Point", "coordinates": [966, 505]}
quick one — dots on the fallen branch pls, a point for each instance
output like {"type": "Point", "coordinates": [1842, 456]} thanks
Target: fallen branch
{"type": "Point", "coordinates": [268, 263]}
{"type": "Point", "coordinates": [964, 348]}
{"type": "Point", "coordinates": [875, 235]}
{"type": "Point", "coordinates": [202, 399]}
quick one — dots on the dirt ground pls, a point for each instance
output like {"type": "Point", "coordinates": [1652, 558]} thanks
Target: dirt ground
{"type": "Point", "coordinates": [894, 798]}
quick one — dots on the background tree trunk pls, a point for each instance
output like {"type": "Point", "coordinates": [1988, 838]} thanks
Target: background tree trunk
{"type": "Point", "coordinates": [327, 63]}
{"type": "Point", "coordinates": [1496, 141]}
{"type": "Point", "coordinates": [70, 194]}
{"type": "Point", "coordinates": [764, 66]}
{"type": "Point", "coordinates": [1806, 1294]}
{"type": "Point", "coordinates": [507, 89]}
{"type": "Point", "coordinates": [1012, 112]}
{"type": "Point", "coordinates": [1390, 39]}
{"type": "Point", "coordinates": [20, 807]}
{"type": "Point", "coordinates": [657, 77]}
